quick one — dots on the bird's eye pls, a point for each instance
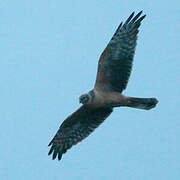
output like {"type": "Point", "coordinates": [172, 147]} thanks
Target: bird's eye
{"type": "Point", "coordinates": [85, 98]}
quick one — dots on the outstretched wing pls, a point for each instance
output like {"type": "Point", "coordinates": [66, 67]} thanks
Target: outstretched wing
{"type": "Point", "coordinates": [77, 127]}
{"type": "Point", "coordinates": [115, 63]}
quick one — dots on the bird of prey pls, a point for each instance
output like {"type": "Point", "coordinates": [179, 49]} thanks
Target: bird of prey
{"type": "Point", "coordinates": [114, 69]}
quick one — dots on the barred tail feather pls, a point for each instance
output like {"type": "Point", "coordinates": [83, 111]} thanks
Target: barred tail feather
{"type": "Point", "coordinates": [142, 103]}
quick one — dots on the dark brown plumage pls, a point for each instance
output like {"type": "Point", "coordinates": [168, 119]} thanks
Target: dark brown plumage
{"type": "Point", "coordinates": [115, 63]}
{"type": "Point", "coordinates": [114, 70]}
{"type": "Point", "coordinates": [77, 127]}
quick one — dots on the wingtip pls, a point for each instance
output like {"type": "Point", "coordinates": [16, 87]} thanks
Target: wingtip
{"type": "Point", "coordinates": [50, 143]}
{"type": "Point", "coordinates": [141, 13]}
{"type": "Point", "coordinates": [132, 14]}
{"type": "Point", "coordinates": [50, 151]}
{"type": "Point", "coordinates": [59, 156]}
{"type": "Point", "coordinates": [144, 16]}
{"type": "Point", "coordinates": [141, 18]}
{"type": "Point", "coordinates": [54, 155]}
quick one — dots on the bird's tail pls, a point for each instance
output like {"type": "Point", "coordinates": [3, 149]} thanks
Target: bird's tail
{"type": "Point", "coordinates": [142, 103]}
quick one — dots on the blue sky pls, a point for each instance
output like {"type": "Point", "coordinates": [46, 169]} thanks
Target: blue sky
{"type": "Point", "coordinates": [49, 55]}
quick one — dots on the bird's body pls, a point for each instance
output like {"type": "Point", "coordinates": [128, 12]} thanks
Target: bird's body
{"type": "Point", "coordinates": [113, 73]}
{"type": "Point", "coordinates": [106, 99]}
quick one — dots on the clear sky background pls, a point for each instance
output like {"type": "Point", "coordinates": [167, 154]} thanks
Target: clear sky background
{"type": "Point", "coordinates": [49, 56]}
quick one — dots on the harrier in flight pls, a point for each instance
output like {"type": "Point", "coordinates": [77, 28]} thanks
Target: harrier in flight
{"type": "Point", "coordinates": [114, 69]}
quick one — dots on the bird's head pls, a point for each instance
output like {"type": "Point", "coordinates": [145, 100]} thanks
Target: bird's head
{"type": "Point", "coordinates": [84, 98]}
